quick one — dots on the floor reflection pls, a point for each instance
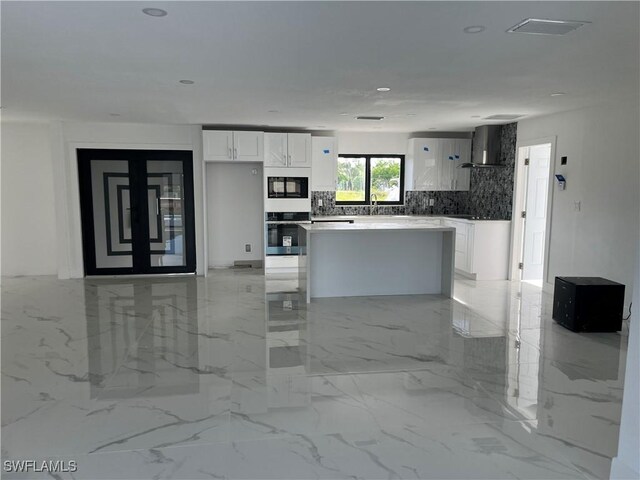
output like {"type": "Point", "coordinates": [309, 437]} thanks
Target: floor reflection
{"type": "Point", "coordinates": [144, 335]}
{"type": "Point", "coordinates": [175, 377]}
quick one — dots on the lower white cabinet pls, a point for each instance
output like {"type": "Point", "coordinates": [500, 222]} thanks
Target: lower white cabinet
{"type": "Point", "coordinates": [482, 248]}
{"type": "Point", "coordinates": [280, 264]}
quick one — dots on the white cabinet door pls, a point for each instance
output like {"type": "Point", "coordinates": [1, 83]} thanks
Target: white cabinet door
{"type": "Point", "coordinates": [248, 146]}
{"type": "Point", "coordinates": [447, 164]}
{"type": "Point", "coordinates": [275, 149]}
{"type": "Point", "coordinates": [324, 163]}
{"type": "Point", "coordinates": [423, 162]}
{"type": "Point", "coordinates": [217, 145]}
{"type": "Point", "coordinates": [462, 154]}
{"type": "Point", "coordinates": [299, 149]}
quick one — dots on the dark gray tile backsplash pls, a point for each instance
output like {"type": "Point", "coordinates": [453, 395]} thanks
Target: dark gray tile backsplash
{"type": "Point", "coordinates": [490, 193]}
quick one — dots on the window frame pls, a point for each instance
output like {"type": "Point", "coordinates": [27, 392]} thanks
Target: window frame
{"type": "Point", "coordinates": [367, 179]}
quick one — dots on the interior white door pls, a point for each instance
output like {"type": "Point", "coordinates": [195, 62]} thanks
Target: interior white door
{"type": "Point", "coordinates": [536, 211]}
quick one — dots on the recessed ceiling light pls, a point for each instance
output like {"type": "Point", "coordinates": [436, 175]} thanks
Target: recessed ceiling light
{"type": "Point", "coordinates": [474, 29]}
{"type": "Point", "coordinates": [369, 118]}
{"type": "Point", "coordinates": [344, 114]}
{"type": "Point", "coordinates": [558, 94]}
{"type": "Point", "coordinates": [383, 89]}
{"type": "Point", "coordinates": [154, 12]}
{"type": "Point", "coordinates": [187, 82]}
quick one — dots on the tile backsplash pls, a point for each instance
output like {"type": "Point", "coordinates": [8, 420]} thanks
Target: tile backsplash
{"type": "Point", "coordinates": [490, 193]}
{"type": "Point", "coordinates": [329, 207]}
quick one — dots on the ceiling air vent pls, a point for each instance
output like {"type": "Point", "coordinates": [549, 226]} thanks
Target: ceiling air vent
{"type": "Point", "coordinates": [369, 118]}
{"type": "Point", "coordinates": [537, 26]}
{"type": "Point", "coordinates": [503, 116]}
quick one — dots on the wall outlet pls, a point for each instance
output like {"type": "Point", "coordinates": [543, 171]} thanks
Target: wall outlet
{"type": "Point", "coordinates": [320, 202]}
{"type": "Point", "coordinates": [432, 202]}
{"type": "Point", "coordinates": [247, 247]}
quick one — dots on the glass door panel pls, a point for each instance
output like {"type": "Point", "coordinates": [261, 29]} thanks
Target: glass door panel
{"type": "Point", "coordinates": [165, 180]}
{"type": "Point", "coordinates": [137, 211]}
{"type": "Point", "coordinates": [111, 213]}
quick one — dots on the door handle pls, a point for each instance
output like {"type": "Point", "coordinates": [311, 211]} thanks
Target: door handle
{"type": "Point", "coordinates": [230, 153]}
{"type": "Point", "coordinates": [235, 153]}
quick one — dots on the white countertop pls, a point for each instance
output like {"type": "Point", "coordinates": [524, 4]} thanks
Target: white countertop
{"type": "Point", "coordinates": [400, 218]}
{"type": "Point", "coordinates": [374, 226]}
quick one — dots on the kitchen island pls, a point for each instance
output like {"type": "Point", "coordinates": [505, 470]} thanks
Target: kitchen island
{"type": "Point", "coordinates": [381, 258]}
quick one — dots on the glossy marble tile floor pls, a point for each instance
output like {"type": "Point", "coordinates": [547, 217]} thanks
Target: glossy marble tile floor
{"type": "Point", "coordinates": [233, 376]}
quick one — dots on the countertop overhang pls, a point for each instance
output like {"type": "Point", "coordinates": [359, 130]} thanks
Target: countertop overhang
{"type": "Point", "coordinates": [374, 226]}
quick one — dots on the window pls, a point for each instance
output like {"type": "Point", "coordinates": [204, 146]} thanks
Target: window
{"type": "Point", "coordinates": [362, 176]}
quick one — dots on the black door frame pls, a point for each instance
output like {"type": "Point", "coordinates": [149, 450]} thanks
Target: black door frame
{"type": "Point", "coordinates": [141, 249]}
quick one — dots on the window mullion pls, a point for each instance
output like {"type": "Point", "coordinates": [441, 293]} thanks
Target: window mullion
{"type": "Point", "coordinates": [367, 175]}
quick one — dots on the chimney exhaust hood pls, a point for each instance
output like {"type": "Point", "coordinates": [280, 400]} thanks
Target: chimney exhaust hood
{"type": "Point", "coordinates": [486, 148]}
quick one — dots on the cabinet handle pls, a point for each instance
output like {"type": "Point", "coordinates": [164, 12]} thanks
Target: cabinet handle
{"type": "Point", "coordinates": [235, 153]}
{"type": "Point", "coordinates": [230, 153]}
{"type": "Point", "coordinates": [289, 160]}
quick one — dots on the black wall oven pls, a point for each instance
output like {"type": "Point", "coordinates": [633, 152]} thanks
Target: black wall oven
{"type": "Point", "coordinates": [288, 187]}
{"type": "Point", "coordinates": [281, 230]}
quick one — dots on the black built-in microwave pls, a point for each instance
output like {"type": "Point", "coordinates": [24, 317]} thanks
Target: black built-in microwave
{"type": "Point", "coordinates": [288, 187]}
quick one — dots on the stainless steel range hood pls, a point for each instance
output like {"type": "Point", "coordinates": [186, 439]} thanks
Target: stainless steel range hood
{"type": "Point", "coordinates": [486, 148]}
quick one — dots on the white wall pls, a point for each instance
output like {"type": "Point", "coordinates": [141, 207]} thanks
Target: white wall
{"type": "Point", "coordinates": [66, 137]}
{"type": "Point", "coordinates": [385, 142]}
{"type": "Point", "coordinates": [28, 211]}
{"type": "Point", "coordinates": [603, 174]}
{"type": "Point", "coordinates": [234, 212]}
{"type": "Point", "coordinates": [372, 143]}
{"type": "Point", "coordinates": [627, 463]}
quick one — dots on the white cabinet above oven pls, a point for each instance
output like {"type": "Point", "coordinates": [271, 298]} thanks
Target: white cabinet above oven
{"type": "Point", "coordinates": [287, 150]}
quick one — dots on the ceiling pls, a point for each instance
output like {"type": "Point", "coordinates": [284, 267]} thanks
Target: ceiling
{"type": "Point", "coordinates": [311, 65]}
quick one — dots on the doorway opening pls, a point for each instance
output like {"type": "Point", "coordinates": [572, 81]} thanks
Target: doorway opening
{"type": "Point", "coordinates": [531, 212]}
{"type": "Point", "coordinates": [137, 211]}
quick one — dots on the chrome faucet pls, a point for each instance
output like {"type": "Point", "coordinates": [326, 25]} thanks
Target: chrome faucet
{"type": "Point", "coordinates": [374, 204]}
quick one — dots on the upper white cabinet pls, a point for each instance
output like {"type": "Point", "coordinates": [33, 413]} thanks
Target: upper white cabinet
{"type": "Point", "coordinates": [432, 164]}
{"type": "Point", "coordinates": [227, 146]}
{"type": "Point", "coordinates": [287, 150]}
{"type": "Point", "coordinates": [324, 163]}
{"type": "Point", "coordinates": [462, 154]}
{"type": "Point", "coordinates": [421, 166]}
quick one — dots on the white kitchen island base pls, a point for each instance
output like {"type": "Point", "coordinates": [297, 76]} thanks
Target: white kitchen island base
{"type": "Point", "coordinates": [346, 260]}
